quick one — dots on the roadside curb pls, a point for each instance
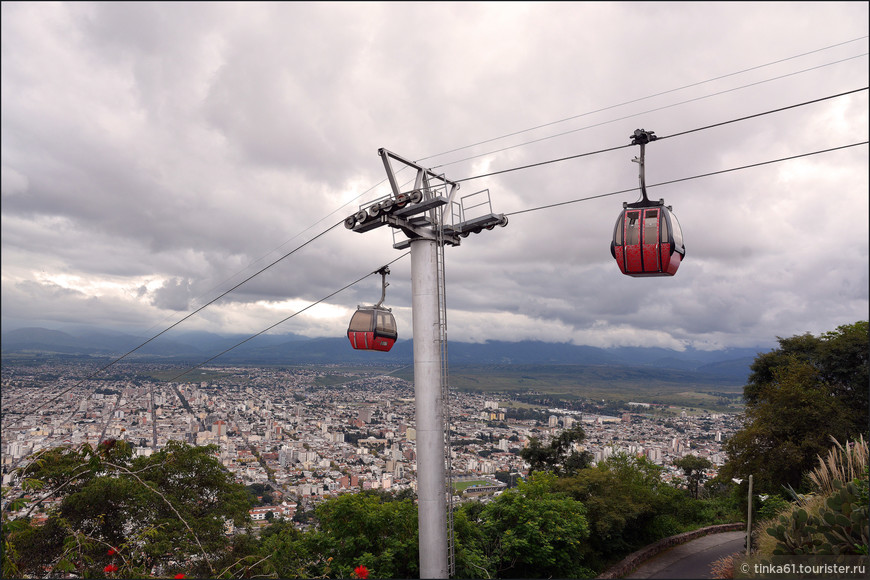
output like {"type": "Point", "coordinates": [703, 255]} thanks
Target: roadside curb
{"type": "Point", "coordinates": [635, 559]}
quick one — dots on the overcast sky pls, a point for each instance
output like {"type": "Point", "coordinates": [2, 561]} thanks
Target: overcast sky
{"type": "Point", "coordinates": [156, 154]}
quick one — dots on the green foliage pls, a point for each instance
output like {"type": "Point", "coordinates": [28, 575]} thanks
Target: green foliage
{"type": "Point", "coordinates": [794, 535]}
{"type": "Point", "coordinates": [799, 396]}
{"type": "Point", "coordinates": [260, 494]}
{"type": "Point", "coordinates": [772, 507]}
{"type": "Point", "coordinates": [548, 526]}
{"type": "Point", "coordinates": [560, 456]}
{"type": "Point", "coordinates": [362, 529]}
{"type": "Point", "coordinates": [629, 506]}
{"type": "Point", "coordinates": [693, 468]}
{"type": "Point", "coordinates": [620, 495]}
{"type": "Point", "coordinates": [845, 520]}
{"type": "Point", "coordinates": [531, 532]}
{"type": "Point", "coordinates": [291, 553]}
{"type": "Point", "coordinates": [146, 511]}
{"type": "Point", "coordinates": [839, 527]}
{"type": "Point", "coordinates": [374, 530]}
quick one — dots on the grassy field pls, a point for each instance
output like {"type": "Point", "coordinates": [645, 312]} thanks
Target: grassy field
{"type": "Point", "coordinates": [463, 485]}
{"type": "Point", "coordinates": [576, 382]}
{"type": "Point", "coordinates": [660, 386]}
{"type": "Point", "coordinates": [196, 376]}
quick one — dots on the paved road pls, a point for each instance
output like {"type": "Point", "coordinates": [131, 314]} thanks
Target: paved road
{"type": "Point", "coordinates": [692, 559]}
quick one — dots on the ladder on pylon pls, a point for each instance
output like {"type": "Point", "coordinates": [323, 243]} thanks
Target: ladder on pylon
{"type": "Point", "coordinates": [445, 393]}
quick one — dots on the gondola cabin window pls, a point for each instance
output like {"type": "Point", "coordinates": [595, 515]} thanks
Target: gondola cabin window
{"type": "Point", "coordinates": [386, 323]}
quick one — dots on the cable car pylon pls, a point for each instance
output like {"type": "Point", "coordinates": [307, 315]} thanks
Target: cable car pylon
{"type": "Point", "coordinates": [417, 223]}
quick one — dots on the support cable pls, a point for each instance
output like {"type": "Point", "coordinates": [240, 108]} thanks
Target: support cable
{"type": "Point", "coordinates": [779, 110]}
{"type": "Point", "coordinates": [200, 309]}
{"type": "Point", "coordinates": [643, 98]}
{"type": "Point", "coordinates": [527, 143]}
{"type": "Point", "coordinates": [282, 321]}
{"type": "Point", "coordinates": [552, 205]}
{"type": "Point", "coordinates": [569, 119]}
{"type": "Point", "coordinates": [263, 257]}
{"type": "Point", "coordinates": [665, 137]}
{"type": "Point", "coordinates": [662, 108]}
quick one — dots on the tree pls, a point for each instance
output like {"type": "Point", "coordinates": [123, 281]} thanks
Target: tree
{"type": "Point", "coordinates": [508, 478]}
{"type": "Point", "coordinates": [560, 456]}
{"type": "Point", "coordinates": [623, 496]}
{"type": "Point", "coordinates": [285, 552]}
{"type": "Point", "coordinates": [797, 398]}
{"type": "Point", "coordinates": [693, 468]}
{"type": "Point", "coordinates": [134, 513]}
{"type": "Point", "coordinates": [533, 532]}
{"type": "Point", "coordinates": [840, 359]}
{"type": "Point", "coordinates": [364, 529]}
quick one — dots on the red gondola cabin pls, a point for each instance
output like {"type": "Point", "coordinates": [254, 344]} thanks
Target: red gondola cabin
{"type": "Point", "coordinates": [647, 240]}
{"type": "Point", "coordinates": [372, 329]}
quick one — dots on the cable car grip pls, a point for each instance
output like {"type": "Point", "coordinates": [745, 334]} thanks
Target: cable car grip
{"type": "Point", "coordinates": [383, 271]}
{"type": "Point", "coordinates": [642, 137]}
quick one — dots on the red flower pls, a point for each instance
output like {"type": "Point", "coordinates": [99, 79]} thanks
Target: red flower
{"type": "Point", "coordinates": [178, 576]}
{"type": "Point", "coordinates": [110, 568]}
{"type": "Point", "coordinates": [112, 551]}
{"type": "Point", "coordinates": [361, 572]}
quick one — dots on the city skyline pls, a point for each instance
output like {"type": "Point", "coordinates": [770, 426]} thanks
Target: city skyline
{"type": "Point", "coordinates": [280, 427]}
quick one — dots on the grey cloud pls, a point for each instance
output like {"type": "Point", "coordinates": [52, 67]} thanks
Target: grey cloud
{"type": "Point", "coordinates": [174, 294]}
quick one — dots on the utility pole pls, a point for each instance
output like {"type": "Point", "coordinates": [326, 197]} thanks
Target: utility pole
{"type": "Point", "coordinates": [749, 521]}
{"type": "Point", "coordinates": [415, 213]}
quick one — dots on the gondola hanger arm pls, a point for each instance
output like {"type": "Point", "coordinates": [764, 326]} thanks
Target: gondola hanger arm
{"type": "Point", "coordinates": [642, 137]}
{"type": "Point", "coordinates": [383, 272]}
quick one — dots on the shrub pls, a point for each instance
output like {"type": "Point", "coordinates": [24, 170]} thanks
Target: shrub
{"type": "Point", "coordinates": [839, 527]}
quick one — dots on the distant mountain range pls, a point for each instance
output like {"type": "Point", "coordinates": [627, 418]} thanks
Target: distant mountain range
{"type": "Point", "coordinates": [728, 366]}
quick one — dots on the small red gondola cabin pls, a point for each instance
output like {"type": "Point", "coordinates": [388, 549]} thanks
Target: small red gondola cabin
{"type": "Point", "coordinates": [372, 328]}
{"type": "Point", "coordinates": [647, 240]}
